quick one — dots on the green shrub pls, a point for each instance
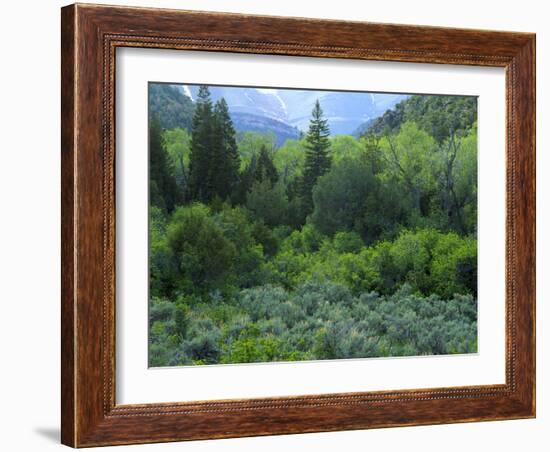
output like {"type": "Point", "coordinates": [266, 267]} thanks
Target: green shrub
{"type": "Point", "coordinates": [203, 254]}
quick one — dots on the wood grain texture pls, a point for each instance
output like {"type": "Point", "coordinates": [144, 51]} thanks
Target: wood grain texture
{"type": "Point", "coordinates": [90, 36]}
{"type": "Point", "coordinates": [67, 224]}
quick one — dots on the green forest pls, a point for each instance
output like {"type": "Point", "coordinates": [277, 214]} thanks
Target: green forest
{"type": "Point", "coordinates": [326, 247]}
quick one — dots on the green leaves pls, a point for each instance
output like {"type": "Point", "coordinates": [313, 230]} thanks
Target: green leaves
{"type": "Point", "coordinates": [323, 248]}
{"type": "Point", "coordinates": [268, 202]}
{"type": "Point", "coordinates": [427, 260]}
{"type": "Point", "coordinates": [202, 253]}
{"type": "Point", "coordinates": [341, 196]}
{"type": "Point", "coordinates": [318, 320]}
{"type": "Point", "coordinates": [436, 115]}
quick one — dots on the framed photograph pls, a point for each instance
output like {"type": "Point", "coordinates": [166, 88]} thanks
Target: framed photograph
{"type": "Point", "coordinates": [280, 225]}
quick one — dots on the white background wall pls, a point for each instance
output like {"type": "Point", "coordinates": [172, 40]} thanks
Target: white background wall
{"type": "Point", "coordinates": [29, 225]}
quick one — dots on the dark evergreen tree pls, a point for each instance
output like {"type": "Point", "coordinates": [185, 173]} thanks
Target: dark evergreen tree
{"type": "Point", "coordinates": [265, 168]}
{"type": "Point", "coordinates": [318, 159]}
{"type": "Point", "coordinates": [163, 188]}
{"type": "Point", "coordinates": [200, 158]}
{"type": "Point", "coordinates": [226, 161]}
{"type": "Point", "coordinates": [260, 168]}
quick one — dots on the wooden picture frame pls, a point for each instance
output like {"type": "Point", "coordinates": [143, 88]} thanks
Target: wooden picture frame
{"type": "Point", "coordinates": [90, 36]}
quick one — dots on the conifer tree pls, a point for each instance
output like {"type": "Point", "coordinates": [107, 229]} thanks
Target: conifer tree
{"type": "Point", "coordinates": [318, 159]}
{"type": "Point", "coordinates": [265, 168]}
{"type": "Point", "coordinates": [200, 157]}
{"type": "Point", "coordinates": [260, 168]}
{"type": "Point", "coordinates": [163, 188]}
{"type": "Point", "coordinates": [226, 161]}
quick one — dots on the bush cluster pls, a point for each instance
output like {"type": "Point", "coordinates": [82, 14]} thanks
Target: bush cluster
{"type": "Point", "coordinates": [315, 321]}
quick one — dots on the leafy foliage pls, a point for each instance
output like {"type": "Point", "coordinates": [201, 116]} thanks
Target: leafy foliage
{"type": "Point", "coordinates": [203, 255]}
{"type": "Point", "coordinates": [316, 321]}
{"type": "Point", "coordinates": [322, 248]}
{"type": "Point", "coordinates": [177, 143]}
{"type": "Point", "coordinates": [268, 202]}
{"type": "Point", "coordinates": [439, 116]}
{"type": "Point", "coordinates": [352, 196]}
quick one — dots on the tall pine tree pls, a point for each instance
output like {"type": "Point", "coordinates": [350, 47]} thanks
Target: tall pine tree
{"type": "Point", "coordinates": [201, 153]}
{"type": "Point", "coordinates": [318, 159]}
{"type": "Point", "coordinates": [226, 161]}
{"type": "Point", "coordinates": [163, 188]}
{"type": "Point", "coordinates": [214, 160]}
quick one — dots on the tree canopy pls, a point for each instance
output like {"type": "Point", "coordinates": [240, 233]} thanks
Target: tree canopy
{"type": "Point", "coordinates": [322, 247]}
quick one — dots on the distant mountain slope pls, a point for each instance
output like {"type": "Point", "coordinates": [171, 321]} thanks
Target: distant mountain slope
{"type": "Point", "coordinates": [285, 112]}
{"type": "Point", "coordinates": [170, 106]}
{"type": "Point", "coordinates": [364, 128]}
{"type": "Point", "coordinates": [252, 101]}
{"type": "Point", "coordinates": [345, 111]}
{"type": "Point", "coordinates": [436, 114]}
{"type": "Point", "coordinates": [245, 122]}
